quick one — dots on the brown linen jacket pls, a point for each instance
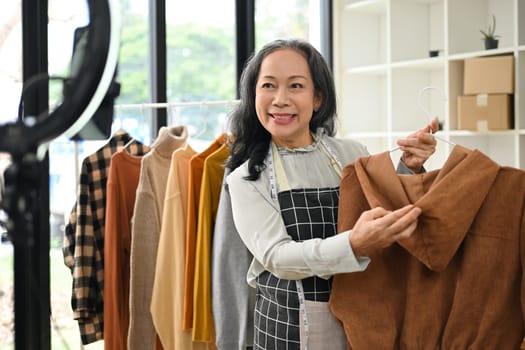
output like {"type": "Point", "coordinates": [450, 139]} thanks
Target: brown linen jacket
{"type": "Point", "coordinates": [458, 282]}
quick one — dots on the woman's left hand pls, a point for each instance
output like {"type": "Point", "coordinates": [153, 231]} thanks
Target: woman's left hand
{"type": "Point", "coordinates": [418, 146]}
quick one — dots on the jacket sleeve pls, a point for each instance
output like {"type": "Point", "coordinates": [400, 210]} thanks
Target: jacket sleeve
{"type": "Point", "coordinates": [85, 281]}
{"type": "Point", "coordinates": [233, 300]}
{"type": "Point", "coordinates": [68, 245]}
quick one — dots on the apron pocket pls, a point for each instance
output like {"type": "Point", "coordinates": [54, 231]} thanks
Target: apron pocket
{"type": "Point", "coordinates": [324, 330]}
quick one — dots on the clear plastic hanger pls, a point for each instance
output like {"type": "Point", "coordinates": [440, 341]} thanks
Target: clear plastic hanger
{"type": "Point", "coordinates": [428, 114]}
{"type": "Point", "coordinates": [132, 140]}
{"type": "Point", "coordinates": [206, 132]}
{"type": "Point", "coordinates": [173, 117]}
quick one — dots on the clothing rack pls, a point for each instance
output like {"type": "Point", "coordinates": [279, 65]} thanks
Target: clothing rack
{"type": "Point", "coordinates": [152, 105]}
{"type": "Point", "coordinates": [173, 108]}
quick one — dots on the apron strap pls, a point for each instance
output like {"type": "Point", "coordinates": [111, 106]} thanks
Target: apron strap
{"type": "Point", "coordinates": [280, 174]}
{"type": "Point", "coordinates": [278, 178]}
{"type": "Point", "coordinates": [334, 162]}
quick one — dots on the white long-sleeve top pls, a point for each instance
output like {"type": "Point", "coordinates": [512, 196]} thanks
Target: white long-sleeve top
{"type": "Point", "coordinates": [260, 225]}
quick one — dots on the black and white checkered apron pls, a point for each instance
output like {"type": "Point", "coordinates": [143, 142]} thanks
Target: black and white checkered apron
{"type": "Point", "coordinates": [307, 213]}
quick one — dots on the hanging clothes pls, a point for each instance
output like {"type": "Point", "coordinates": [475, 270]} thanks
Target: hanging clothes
{"type": "Point", "coordinates": [123, 179]}
{"type": "Point", "coordinates": [458, 281]}
{"type": "Point", "coordinates": [83, 248]}
{"type": "Point", "coordinates": [194, 189]}
{"type": "Point", "coordinates": [167, 295]}
{"type": "Point", "coordinates": [146, 228]}
{"type": "Point", "coordinates": [212, 175]}
{"type": "Point", "coordinates": [102, 156]}
{"type": "Point", "coordinates": [233, 300]}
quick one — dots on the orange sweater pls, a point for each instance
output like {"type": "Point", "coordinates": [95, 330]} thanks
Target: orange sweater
{"type": "Point", "coordinates": [203, 327]}
{"type": "Point", "coordinates": [194, 188]}
{"type": "Point", "coordinates": [121, 187]}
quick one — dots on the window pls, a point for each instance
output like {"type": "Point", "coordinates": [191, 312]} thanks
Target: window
{"type": "Point", "coordinates": [200, 37]}
{"type": "Point", "coordinates": [11, 85]}
{"type": "Point", "coordinates": [201, 74]}
{"type": "Point", "coordinates": [287, 19]}
{"type": "Point", "coordinates": [10, 59]}
{"type": "Point", "coordinates": [133, 72]}
{"type": "Point", "coordinates": [66, 156]}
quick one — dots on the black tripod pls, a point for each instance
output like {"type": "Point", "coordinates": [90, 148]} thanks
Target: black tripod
{"type": "Point", "coordinates": [26, 196]}
{"type": "Point", "coordinates": [29, 233]}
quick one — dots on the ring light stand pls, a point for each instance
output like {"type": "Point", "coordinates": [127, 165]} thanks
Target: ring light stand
{"type": "Point", "coordinates": [27, 141]}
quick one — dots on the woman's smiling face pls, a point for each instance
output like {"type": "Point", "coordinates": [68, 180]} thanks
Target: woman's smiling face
{"type": "Point", "coordinates": [285, 98]}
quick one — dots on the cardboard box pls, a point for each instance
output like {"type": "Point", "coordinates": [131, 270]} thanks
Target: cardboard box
{"type": "Point", "coordinates": [485, 112]}
{"type": "Point", "coordinates": [489, 75]}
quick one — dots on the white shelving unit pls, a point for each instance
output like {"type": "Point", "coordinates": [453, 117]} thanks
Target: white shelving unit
{"type": "Point", "coordinates": [382, 63]}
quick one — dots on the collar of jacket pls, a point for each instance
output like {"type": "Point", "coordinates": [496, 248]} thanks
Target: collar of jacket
{"type": "Point", "coordinates": [449, 198]}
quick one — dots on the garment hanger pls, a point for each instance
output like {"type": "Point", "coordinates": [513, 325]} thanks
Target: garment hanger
{"type": "Point", "coordinates": [131, 141]}
{"type": "Point", "coordinates": [428, 114]}
{"type": "Point", "coordinates": [120, 130]}
{"type": "Point", "coordinates": [205, 132]}
{"type": "Point", "coordinates": [172, 115]}
{"type": "Point", "coordinates": [134, 142]}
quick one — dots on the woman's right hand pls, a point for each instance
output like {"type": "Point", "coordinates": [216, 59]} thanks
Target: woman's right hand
{"type": "Point", "coordinates": [378, 228]}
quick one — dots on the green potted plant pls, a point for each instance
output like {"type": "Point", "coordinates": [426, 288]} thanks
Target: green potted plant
{"type": "Point", "coordinates": [489, 36]}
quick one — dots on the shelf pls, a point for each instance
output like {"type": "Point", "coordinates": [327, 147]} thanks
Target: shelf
{"type": "Point", "coordinates": [381, 56]}
{"type": "Point", "coordinates": [367, 6]}
{"type": "Point", "coordinates": [378, 69]}
{"type": "Point", "coordinates": [482, 53]}
{"type": "Point", "coordinates": [483, 133]}
{"type": "Point", "coordinates": [500, 147]}
{"type": "Point", "coordinates": [441, 133]}
{"type": "Point", "coordinates": [427, 2]}
{"type": "Point", "coordinates": [367, 135]}
{"type": "Point", "coordinates": [430, 63]}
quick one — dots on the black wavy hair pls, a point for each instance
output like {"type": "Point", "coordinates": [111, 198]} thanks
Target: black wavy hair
{"type": "Point", "coordinates": [250, 140]}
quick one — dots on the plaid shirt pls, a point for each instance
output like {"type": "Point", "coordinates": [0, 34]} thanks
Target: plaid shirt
{"type": "Point", "coordinates": [83, 247]}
